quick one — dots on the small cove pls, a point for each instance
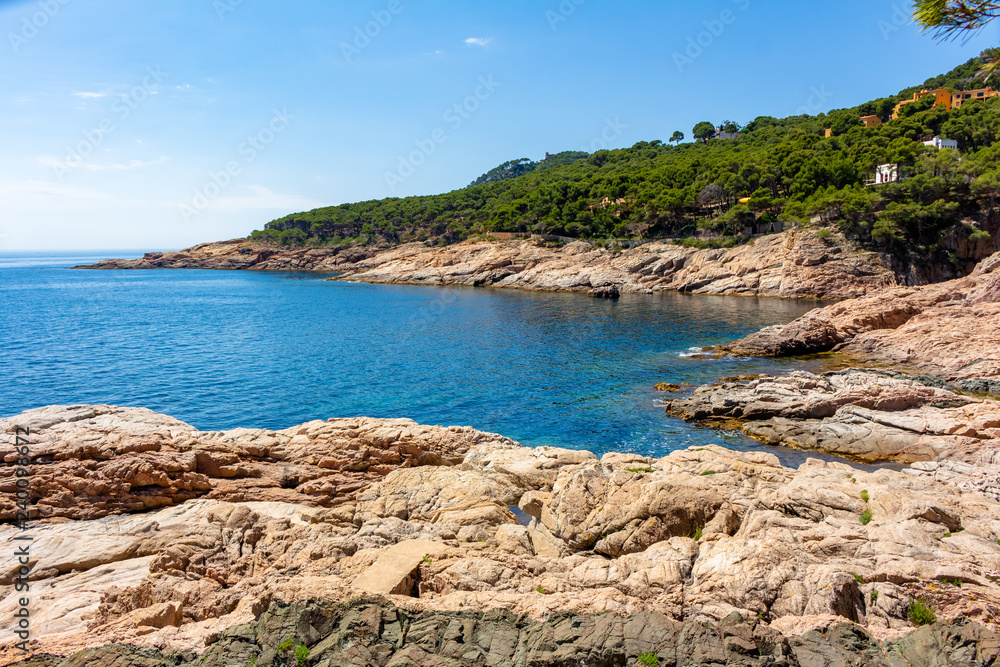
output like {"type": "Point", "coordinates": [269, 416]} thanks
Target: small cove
{"type": "Point", "coordinates": [222, 349]}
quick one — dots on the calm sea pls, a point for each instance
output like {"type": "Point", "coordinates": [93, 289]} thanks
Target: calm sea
{"type": "Point", "coordinates": [226, 349]}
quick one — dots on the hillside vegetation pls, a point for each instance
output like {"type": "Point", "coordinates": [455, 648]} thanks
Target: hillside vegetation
{"type": "Point", "coordinates": [783, 170]}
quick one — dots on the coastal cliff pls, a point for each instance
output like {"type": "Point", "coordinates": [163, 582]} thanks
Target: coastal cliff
{"type": "Point", "coordinates": [793, 264]}
{"type": "Point", "coordinates": [385, 542]}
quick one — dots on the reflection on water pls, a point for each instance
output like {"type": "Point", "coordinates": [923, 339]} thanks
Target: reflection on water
{"type": "Point", "coordinates": [226, 349]}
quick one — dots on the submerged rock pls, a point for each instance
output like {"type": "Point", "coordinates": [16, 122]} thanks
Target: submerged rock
{"type": "Point", "coordinates": [610, 292]}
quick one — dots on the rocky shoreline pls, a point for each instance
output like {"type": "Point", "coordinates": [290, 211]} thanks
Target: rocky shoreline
{"type": "Point", "coordinates": [787, 265]}
{"type": "Point", "coordinates": [157, 544]}
{"type": "Point", "coordinates": [383, 542]}
{"type": "Point", "coordinates": [948, 329]}
{"type": "Point", "coordinates": [929, 400]}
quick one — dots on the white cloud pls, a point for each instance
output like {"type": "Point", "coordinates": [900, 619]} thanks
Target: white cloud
{"type": "Point", "coordinates": [132, 164]}
{"type": "Point", "coordinates": [45, 195]}
{"type": "Point", "coordinates": [478, 41]}
{"type": "Point", "coordinates": [50, 161]}
{"type": "Point", "coordinates": [263, 198]}
{"type": "Point", "coordinates": [89, 96]}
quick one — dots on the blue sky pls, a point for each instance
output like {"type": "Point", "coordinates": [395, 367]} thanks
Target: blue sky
{"type": "Point", "coordinates": [162, 125]}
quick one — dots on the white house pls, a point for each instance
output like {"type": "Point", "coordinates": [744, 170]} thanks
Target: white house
{"type": "Point", "coordinates": [885, 173]}
{"type": "Point", "coordinates": [939, 143]}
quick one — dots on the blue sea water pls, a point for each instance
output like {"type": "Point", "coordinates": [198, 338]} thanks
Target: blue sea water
{"type": "Point", "coordinates": [223, 349]}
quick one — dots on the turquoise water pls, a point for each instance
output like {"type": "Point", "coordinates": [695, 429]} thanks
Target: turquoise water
{"type": "Point", "coordinates": [226, 349]}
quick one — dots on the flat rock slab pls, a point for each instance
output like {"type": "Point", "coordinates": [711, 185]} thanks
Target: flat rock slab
{"type": "Point", "coordinates": [392, 573]}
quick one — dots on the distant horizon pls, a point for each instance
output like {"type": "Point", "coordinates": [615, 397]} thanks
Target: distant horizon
{"type": "Point", "coordinates": [78, 250]}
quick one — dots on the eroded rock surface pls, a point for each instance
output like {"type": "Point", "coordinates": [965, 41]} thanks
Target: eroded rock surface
{"type": "Point", "coordinates": [951, 329]}
{"type": "Point", "coordinates": [701, 536]}
{"type": "Point", "coordinates": [870, 415]}
{"type": "Point", "coordinates": [787, 265]}
{"type": "Point", "coordinates": [91, 461]}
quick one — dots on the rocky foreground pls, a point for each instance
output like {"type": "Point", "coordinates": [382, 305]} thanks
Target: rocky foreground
{"type": "Point", "coordinates": [786, 265]}
{"type": "Point", "coordinates": [382, 542]}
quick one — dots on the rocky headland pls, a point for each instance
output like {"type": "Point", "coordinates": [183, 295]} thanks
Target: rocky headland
{"type": "Point", "coordinates": [383, 542]}
{"type": "Point", "coordinates": [787, 265]}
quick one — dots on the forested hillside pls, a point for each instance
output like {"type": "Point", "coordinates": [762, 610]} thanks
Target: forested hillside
{"type": "Point", "coordinates": [775, 170]}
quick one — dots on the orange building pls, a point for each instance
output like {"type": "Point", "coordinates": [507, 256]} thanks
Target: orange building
{"type": "Point", "coordinates": [942, 98]}
{"type": "Point", "coordinates": [948, 99]}
{"type": "Point", "coordinates": [965, 95]}
{"type": "Point", "coordinates": [871, 121]}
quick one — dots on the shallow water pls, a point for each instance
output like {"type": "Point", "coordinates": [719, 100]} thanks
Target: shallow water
{"type": "Point", "coordinates": [226, 349]}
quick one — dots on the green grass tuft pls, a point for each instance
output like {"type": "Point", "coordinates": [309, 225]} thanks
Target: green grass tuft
{"type": "Point", "coordinates": [709, 472]}
{"type": "Point", "coordinates": [858, 578]}
{"type": "Point", "coordinates": [864, 495]}
{"type": "Point", "coordinates": [874, 596]}
{"type": "Point", "coordinates": [649, 659]}
{"type": "Point", "coordinates": [921, 613]}
{"type": "Point", "coordinates": [866, 517]}
{"type": "Point", "coordinates": [640, 470]}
